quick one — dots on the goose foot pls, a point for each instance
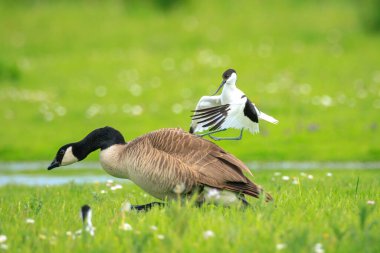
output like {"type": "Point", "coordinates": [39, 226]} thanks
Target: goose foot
{"type": "Point", "coordinates": [243, 201]}
{"type": "Point", "coordinates": [146, 207]}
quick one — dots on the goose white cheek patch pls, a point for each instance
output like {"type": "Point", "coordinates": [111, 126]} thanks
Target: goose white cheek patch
{"type": "Point", "coordinates": [69, 157]}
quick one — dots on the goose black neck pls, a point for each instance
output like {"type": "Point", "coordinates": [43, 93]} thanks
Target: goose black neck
{"type": "Point", "coordinates": [101, 138]}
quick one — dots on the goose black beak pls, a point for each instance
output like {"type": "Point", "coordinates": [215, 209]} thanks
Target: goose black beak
{"type": "Point", "coordinates": [221, 85]}
{"type": "Point", "coordinates": [54, 164]}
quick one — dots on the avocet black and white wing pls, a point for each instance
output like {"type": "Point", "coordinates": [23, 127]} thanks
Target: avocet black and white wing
{"type": "Point", "coordinates": [210, 118]}
{"type": "Point", "coordinates": [232, 109]}
{"type": "Point", "coordinates": [204, 103]}
{"type": "Point", "coordinates": [244, 115]}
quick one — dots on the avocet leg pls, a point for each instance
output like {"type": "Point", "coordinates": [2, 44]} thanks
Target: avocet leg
{"type": "Point", "coordinates": [212, 132]}
{"type": "Point", "coordinates": [227, 138]}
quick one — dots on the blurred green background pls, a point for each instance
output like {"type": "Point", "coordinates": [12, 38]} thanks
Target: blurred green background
{"type": "Point", "coordinates": [67, 67]}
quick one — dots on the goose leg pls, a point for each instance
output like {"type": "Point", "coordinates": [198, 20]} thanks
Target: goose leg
{"type": "Point", "coordinates": [243, 201]}
{"type": "Point", "coordinates": [227, 138]}
{"type": "Point", "coordinates": [146, 207]}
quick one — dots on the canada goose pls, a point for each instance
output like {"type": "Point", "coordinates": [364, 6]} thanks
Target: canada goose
{"type": "Point", "coordinates": [231, 109]}
{"type": "Point", "coordinates": [164, 163]}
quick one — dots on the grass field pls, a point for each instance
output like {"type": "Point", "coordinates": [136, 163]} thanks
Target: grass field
{"type": "Point", "coordinates": [67, 67]}
{"type": "Point", "coordinates": [329, 213]}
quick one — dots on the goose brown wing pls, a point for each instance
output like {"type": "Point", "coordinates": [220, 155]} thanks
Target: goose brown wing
{"type": "Point", "coordinates": [208, 164]}
{"type": "Point", "coordinates": [194, 151]}
{"type": "Point", "coordinates": [211, 165]}
{"type": "Point", "coordinates": [225, 174]}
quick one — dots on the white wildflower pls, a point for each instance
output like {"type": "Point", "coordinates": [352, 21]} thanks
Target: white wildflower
{"type": "Point", "coordinates": [277, 174]}
{"type": "Point", "coordinates": [310, 177]}
{"type": "Point", "coordinates": [371, 202]}
{"type": "Point", "coordinates": [179, 188]}
{"type": "Point", "coordinates": [177, 108]}
{"type": "Point", "coordinates": [136, 110]}
{"type": "Point", "coordinates": [29, 221]}
{"type": "Point", "coordinates": [42, 236]}
{"type": "Point", "coordinates": [115, 187]}
{"type": "Point", "coordinates": [303, 174]}
{"type": "Point", "coordinates": [295, 180]}
{"type": "Point", "coordinates": [103, 191]}
{"type": "Point", "coordinates": [285, 178]}
{"type": "Point", "coordinates": [154, 228]}
{"type": "Point", "coordinates": [3, 238]}
{"type": "Point", "coordinates": [329, 174]}
{"type": "Point", "coordinates": [53, 240]}
{"type": "Point", "coordinates": [126, 227]}
{"type": "Point", "coordinates": [160, 237]}
{"type": "Point", "coordinates": [318, 248]}
{"type": "Point", "coordinates": [126, 206]}
{"type": "Point", "coordinates": [208, 234]}
{"type": "Point", "coordinates": [69, 233]}
{"type": "Point", "coordinates": [3, 246]}
{"type": "Point", "coordinates": [90, 230]}
{"type": "Point", "coordinates": [101, 91]}
{"type": "Point", "coordinates": [109, 183]}
{"type": "Point", "coordinates": [280, 246]}
{"type": "Point", "coordinates": [326, 101]}
{"type": "Point", "coordinates": [135, 89]}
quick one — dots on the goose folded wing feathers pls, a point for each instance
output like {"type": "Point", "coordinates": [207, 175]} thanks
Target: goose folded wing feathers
{"type": "Point", "coordinates": [209, 164]}
{"type": "Point", "coordinates": [193, 150]}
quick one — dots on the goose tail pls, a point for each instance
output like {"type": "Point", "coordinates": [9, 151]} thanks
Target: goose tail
{"type": "Point", "coordinates": [249, 188]}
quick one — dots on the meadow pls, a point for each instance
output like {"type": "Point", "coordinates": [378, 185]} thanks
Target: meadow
{"type": "Point", "coordinates": [68, 67]}
{"type": "Point", "coordinates": [317, 211]}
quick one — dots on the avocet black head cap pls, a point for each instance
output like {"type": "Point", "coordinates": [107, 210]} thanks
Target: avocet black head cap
{"type": "Point", "coordinates": [229, 76]}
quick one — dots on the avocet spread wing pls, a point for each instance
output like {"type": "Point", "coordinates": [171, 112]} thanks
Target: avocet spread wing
{"type": "Point", "coordinates": [238, 116]}
{"type": "Point", "coordinates": [203, 105]}
{"type": "Point", "coordinates": [210, 118]}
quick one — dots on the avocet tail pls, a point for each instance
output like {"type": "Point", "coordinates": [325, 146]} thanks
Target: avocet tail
{"type": "Point", "coordinates": [268, 118]}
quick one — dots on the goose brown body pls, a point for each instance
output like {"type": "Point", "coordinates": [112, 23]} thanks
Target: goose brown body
{"type": "Point", "coordinates": [163, 159]}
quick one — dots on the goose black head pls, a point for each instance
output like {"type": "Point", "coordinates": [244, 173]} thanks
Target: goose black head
{"type": "Point", "coordinates": [229, 76]}
{"type": "Point", "coordinates": [101, 138]}
{"type": "Point", "coordinates": [64, 156]}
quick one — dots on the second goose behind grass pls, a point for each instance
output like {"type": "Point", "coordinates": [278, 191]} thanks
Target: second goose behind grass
{"type": "Point", "coordinates": [162, 160]}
